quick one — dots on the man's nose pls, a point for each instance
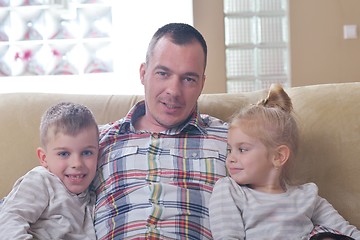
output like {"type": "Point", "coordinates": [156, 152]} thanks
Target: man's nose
{"type": "Point", "coordinates": [173, 86]}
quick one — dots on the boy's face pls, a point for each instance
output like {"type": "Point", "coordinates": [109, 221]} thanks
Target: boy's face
{"type": "Point", "coordinates": [72, 158]}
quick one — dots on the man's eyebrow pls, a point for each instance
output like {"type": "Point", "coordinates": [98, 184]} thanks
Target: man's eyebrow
{"type": "Point", "coordinates": [164, 68]}
{"type": "Point", "coordinates": [192, 74]}
{"type": "Point", "coordinates": [161, 67]}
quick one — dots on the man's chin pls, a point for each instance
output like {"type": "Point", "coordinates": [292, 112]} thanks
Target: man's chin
{"type": "Point", "coordinates": [169, 123]}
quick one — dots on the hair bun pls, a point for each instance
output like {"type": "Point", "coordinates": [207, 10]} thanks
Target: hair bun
{"type": "Point", "coordinates": [277, 98]}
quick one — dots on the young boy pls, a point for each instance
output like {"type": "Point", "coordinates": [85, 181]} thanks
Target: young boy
{"type": "Point", "coordinates": [52, 201]}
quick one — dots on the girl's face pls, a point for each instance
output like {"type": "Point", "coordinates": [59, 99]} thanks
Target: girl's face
{"type": "Point", "coordinates": [249, 161]}
{"type": "Point", "coordinates": [72, 158]}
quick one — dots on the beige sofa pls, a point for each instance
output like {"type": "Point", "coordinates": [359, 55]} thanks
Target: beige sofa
{"type": "Point", "coordinates": [329, 117]}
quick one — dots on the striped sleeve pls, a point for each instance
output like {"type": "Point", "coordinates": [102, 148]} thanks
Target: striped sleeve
{"type": "Point", "coordinates": [326, 215]}
{"type": "Point", "coordinates": [23, 206]}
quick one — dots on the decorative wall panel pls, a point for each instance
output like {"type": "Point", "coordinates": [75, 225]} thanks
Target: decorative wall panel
{"type": "Point", "coordinates": [43, 37]}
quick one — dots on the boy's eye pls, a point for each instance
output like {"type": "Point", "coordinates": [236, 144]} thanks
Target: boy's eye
{"type": "Point", "coordinates": [63, 154]}
{"type": "Point", "coordinates": [87, 153]}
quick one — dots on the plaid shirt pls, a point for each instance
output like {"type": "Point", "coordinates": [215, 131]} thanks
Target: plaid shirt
{"type": "Point", "coordinates": [158, 185]}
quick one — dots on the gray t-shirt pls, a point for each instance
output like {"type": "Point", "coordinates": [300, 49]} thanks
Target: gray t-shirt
{"type": "Point", "coordinates": [40, 207]}
{"type": "Point", "coordinates": [239, 212]}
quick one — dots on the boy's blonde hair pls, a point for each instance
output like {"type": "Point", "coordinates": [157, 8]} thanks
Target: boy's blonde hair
{"type": "Point", "coordinates": [66, 117]}
{"type": "Point", "coordinates": [272, 122]}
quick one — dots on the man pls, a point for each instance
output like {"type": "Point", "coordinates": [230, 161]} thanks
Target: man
{"type": "Point", "coordinates": [158, 165]}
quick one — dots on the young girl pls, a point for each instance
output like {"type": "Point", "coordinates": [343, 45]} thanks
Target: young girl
{"type": "Point", "coordinates": [257, 201]}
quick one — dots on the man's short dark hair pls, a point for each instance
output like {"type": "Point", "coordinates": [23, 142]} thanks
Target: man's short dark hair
{"type": "Point", "coordinates": [180, 34]}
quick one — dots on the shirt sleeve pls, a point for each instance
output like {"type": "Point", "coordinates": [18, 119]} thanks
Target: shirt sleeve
{"type": "Point", "coordinates": [23, 206]}
{"type": "Point", "coordinates": [226, 220]}
{"type": "Point", "coordinates": [326, 215]}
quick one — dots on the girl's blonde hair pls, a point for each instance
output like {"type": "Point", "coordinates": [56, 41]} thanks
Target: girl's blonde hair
{"type": "Point", "coordinates": [272, 122]}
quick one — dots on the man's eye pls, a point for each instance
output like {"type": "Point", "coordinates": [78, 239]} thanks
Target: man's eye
{"type": "Point", "coordinates": [191, 80]}
{"type": "Point", "coordinates": [162, 74]}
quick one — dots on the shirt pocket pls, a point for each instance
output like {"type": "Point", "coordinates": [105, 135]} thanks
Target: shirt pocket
{"type": "Point", "coordinates": [201, 166]}
{"type": "Point", "coordinates": [122, 152]}
{"type": "Point", "coordinates": [118, 160]}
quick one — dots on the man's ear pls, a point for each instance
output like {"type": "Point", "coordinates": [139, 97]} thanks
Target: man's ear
{"type": "Point", "coordinates": [142, 71]}
{"type": "Point", "coordinates": [282, 154]}
{"type": "Point", "coordinates": [203, 81]}
{"type": "Point", "coordinates": [41, 153]}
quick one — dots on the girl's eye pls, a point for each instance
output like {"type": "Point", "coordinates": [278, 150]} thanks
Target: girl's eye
{"type": "Point", "coordinates": [242, 150]}
{"type": "Point", "coordinates": [228, 150]}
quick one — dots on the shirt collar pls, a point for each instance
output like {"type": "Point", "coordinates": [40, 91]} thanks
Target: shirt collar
{"type": "Point", "coordinates": [194, 124]}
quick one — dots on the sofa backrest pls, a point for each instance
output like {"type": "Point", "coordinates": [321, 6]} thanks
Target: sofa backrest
{"type": "Point", "coordinates": [329, 117]}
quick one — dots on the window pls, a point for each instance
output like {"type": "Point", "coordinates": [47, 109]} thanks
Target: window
{"type": "Point", "coordinates": [256, 39]}
{"type": "Point", "coordinates": [126, 33]}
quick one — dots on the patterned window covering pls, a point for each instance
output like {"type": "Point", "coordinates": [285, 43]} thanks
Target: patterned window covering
{"type": "Point", "coordinates": [38, 38]}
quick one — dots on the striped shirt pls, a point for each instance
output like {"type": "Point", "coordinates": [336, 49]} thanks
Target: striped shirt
{"type": "Point", "coordinates": [40, 207]}
{"type": "Point", "coordinates": [239, 212]}
{"type": "Point", "coordinates": [158, 185]}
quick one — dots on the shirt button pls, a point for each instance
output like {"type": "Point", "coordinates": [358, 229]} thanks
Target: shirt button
{"type": "Point", "coordinates": [151, 225]}
{"type": "Point", "coordinates": [194, 154]}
